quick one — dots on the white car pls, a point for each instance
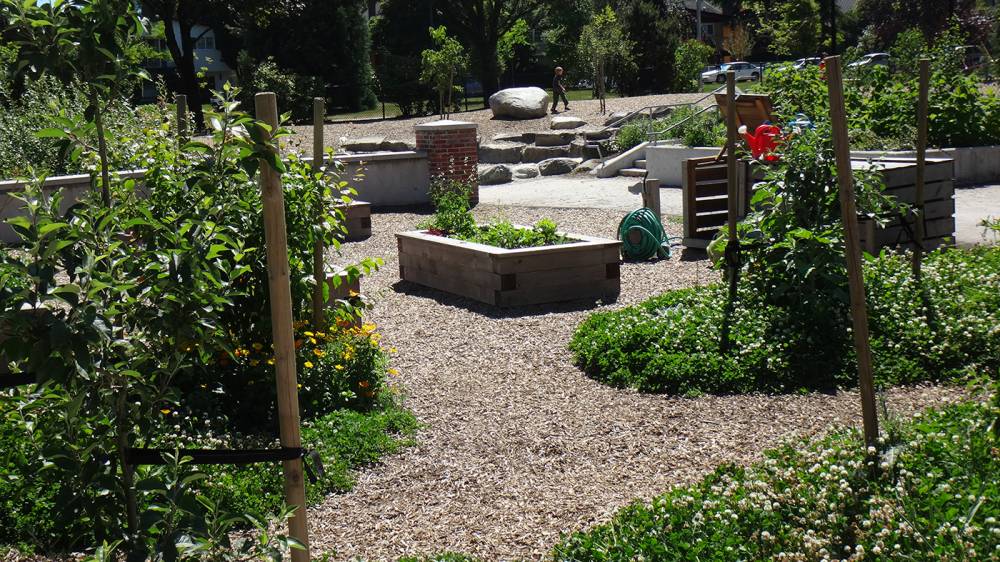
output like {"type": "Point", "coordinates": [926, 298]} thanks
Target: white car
{"type": "Point", "coordinates": [870, 60]}
{"type": "Point", "coordinates": [744, 71]}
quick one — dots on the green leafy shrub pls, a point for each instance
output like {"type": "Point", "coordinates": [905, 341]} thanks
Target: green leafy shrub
{"type": "Point", "coordinates": [937, 498]}
{"type": "Point", "coordinates": [671, 343]}
{"type": "Point", "coordinates": [684, 123]}
{"type": "Point", "coordinates": [295, 92]}
{"type": "Point", "coordinates": [690, 59]}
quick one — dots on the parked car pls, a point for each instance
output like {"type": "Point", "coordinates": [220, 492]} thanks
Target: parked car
{"type": "Point", "coordinates": [809, 61]}
{"type": "Point", "coordinates": [870, 60]}
{"type": "Point", "coordinates": [744, 71]}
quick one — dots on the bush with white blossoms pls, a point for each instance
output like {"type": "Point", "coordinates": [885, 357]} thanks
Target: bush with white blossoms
{"type": "Point", "coordinates": [943, 328]}
{"type": "Point", "coordinates": [937, 497]}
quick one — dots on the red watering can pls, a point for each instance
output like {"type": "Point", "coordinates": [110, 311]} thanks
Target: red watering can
{"type": "Point", "coordinates": [763, 142]}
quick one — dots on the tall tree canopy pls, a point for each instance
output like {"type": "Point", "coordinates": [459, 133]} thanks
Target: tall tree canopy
{"type": "Point", "coordinates": [656, 28]}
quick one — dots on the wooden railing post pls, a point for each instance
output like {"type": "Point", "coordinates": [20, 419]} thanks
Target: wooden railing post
{"type": "Point", "coordinates": [279, 290]}
{"type": "Point", "coordinates": [918, 244]}
{"type": "Point", "coordinates": [182, 124]}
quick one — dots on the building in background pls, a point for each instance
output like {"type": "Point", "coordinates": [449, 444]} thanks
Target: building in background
{"type": "Point", "coordinates": [207, 61]}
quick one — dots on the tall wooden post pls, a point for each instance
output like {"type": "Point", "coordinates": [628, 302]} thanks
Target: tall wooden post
{"type": "Point", "coordinates": [859, 309]}
{"type": "Point", "coordinates": [651, 197]}
{"type": "Point", "coordinates": [319, 270]}
{"type": "Point", "coordinates": [732, 205]}
{"type": "Point", "coordinates": [918, 246]}
{"type": "Point", "coordinates": [279, 289]}
{"type": "Point", "coordinates": [182, 125]}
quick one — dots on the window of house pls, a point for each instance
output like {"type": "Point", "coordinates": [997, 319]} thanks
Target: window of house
{"type": "Point", "coordinates": [206, 42]}
{"type": "Point", "coordinates": [708, 30]}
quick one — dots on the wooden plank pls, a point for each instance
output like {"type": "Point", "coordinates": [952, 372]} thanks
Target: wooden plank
{"type": "Point", "coordinates": [895, 234]}
{"type": "Point", "coordinates": [448, 284]}
{"type": "Point", "coordinates": [458, 255]}
{"type": "Point", "coordinates": [560, 293]}
{"type": "Point", "coordinates": [944, 189]}
{"type": "Point", "coordinates": [694, 242]}
{"type": "Point", "coordinates": [689, 196]}
{"type": "Point", "coordinates": [712, 205]}
{"type": "Point", "coordinates": [900, 173]}
{"type": "Point", "coordinates": [714, 188]}
{"type": "Point", "coordinates": [710, 172]}
{"type": "Point", "coordinates": [585, 274]}
{"type": "Point", "coordinates": [712, 219]}
{"type": "Point", "coordinates": [474, 276]}
{"type": "Point", "coordinates": [540, 262]}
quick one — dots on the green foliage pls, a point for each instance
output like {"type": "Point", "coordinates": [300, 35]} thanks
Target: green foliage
{"type": "Point", "coordinates": [690, 59]}
{"type": "Point", "coordinates": [503, 234]}
{"type": "Point", "coordinates": [705, 129]}
{"type": "Point", "coordinates": [513, 41]}
{"type": "Point", "coordinates": [441, 65]}
{"type": "Point", "coordinates": [396, 48]}
{"type": "Point", "coordinates": [561, 25]}
{"type": "Point", "coordinates": [655, 28]}
{"type": "Point", "coordinates": [295, 92]}
{"type": "Point", "coordinates": [935, 499]}
{"type": "Point", "coordinates": [671, 343]}
{"type": "Point", "coordinates": [792, 27]}
{"type": "Point", "coordinates": [603, 44]}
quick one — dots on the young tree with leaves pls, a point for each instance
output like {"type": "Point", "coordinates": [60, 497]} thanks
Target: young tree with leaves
{"type": "Point", "coordinates": [441, 65]}
{"type": "Point", "coordinates": [739, 43]}
{"type": "Point", "coordinates": [98, 42]}
{"type": "Point", "coordinates": [603, 43]}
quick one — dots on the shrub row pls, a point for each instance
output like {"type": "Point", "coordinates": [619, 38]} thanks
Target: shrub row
{"type": "Point", "coordinates": [671, 343]}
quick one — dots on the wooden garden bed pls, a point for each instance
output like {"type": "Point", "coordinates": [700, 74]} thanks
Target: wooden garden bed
{"type": "Point", "coordinates": [586, 268]}
{"type": "Point", "coordinates": [358, 220]}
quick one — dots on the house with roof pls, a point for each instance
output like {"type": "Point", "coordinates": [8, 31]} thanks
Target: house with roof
{"type": "Point", "coordinates": [207, 60]}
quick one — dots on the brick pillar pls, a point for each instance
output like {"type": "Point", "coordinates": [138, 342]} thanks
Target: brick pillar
{"type": "Point", "coordinates": [452, 151]}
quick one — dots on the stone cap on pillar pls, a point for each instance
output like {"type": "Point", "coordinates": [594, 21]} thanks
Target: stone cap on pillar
{"type": "Point", "coordinates": [444, 125]}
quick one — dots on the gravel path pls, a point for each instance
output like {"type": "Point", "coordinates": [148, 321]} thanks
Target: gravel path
{"type": "Point", "coordinates": [402, 129]}
{"type": "Point", "coordinates": [517, 445]}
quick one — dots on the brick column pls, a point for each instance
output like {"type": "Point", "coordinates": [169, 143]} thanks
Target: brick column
{"type": "Point", "coordinates": [452, 151]}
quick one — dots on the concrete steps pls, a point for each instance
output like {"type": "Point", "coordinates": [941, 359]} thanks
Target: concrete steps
{"type": "Point", "coordinates": [632, 172]}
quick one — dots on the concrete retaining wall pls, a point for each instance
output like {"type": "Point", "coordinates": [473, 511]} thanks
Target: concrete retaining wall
{"type": "Point", "coordinates": [973, 165]}
{"type": "Point", "coordinates": [386, 179]}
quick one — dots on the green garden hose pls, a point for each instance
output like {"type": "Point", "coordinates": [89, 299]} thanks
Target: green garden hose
{"type": "Point", "coordinates": [642, 236]}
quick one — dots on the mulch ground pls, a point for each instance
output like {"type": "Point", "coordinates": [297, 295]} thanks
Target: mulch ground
{"type": "Point", "coordinates": [518, 446]}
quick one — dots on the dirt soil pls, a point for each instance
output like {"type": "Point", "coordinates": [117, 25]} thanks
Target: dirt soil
{"type": "Point", "coordinates": [517, 445]}
{"type": "Point", "coordinates": [402, 129]}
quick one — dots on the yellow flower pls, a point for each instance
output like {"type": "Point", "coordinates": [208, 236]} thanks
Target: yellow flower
{"type": "Point", "coordinates": [312, 341]}
{"type": "Point", "coordinates": [368, 328]}
{"type": "Point", "coordinates": [299, 385]}
{"type": "Point", "coordinates": [393, 372]}
{"type": "Point", "coordinates": [270, 361]}
{"type": "Point", "coordinates": [392, 350]}
{"type": "Point", "coordinates": [308, 333]}
{"type": "Point", "coordinates": [165, 411]}
{"type": "Point", "coordinates": [254, 362]}
{"type": "Point", "coordinates": [339, 367]}
{"type": "Point", "coordinates": [308, 364]}
{"type": "Point", "coordinates": [319, 352]}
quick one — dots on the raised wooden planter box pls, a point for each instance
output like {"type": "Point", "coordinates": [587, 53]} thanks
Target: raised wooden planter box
{"type": "Point", "coordinates": [358, 220]}
{"type": "Point", "coordinates": [588, 268]}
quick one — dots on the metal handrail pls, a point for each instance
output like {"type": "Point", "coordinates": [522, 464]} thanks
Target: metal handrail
{"type": "Point", "coordinates": [650, 109]}
{"type": "Point", "coordinates": [653, 135]}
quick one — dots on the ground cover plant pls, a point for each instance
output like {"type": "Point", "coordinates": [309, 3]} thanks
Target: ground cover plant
{"type": "Point", "coordinates": [788, 327]}
{"type": "Point", "coordinates": [453, 219]}
{"type": "Point", "coordinates": [936, 497]}
{"type": "Point", "coordinates": [143, 315]}
{"type": "Point", "coordinates": [684, 123]}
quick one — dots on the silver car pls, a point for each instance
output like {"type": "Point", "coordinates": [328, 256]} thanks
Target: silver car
{"type": "Point", "coordinates": [744, 71]}
{"type": "Point", "coordinates": [870, 60]}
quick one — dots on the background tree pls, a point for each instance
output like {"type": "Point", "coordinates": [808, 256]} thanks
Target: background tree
{"type": "Point", "coordinates": [515, 44]}
{"type": "Point", "coordinates": [792, 28]}
{"type": "Point", "coordinates": [930, 17]}
{"type": "Point", "coordinates": [562, 22]}
{"type": "Point", "coordinates": [441, 65]}
{"type": "Point", "coordinates": [399, 35]}
{"type": "Point", "coordinates": [690, 59]}
{"type": "Point", "coordinates": [739, 43]}
{"type": "Point", "coordinates": [602, 44]}
{"type": "Point", "coordinates": [479, 25]}
{"type": "Point", "coordinates": [656, 28]}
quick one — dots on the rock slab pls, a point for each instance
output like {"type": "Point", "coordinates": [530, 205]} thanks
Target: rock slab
{"type": "Point", "coordinates": [526, 171]}
{"type": "Point", "coordinates": [495, 174]}
{"type": "Point", "coordinates": [556, 166]}
{"type": "Point", "coordinates": [539, 153]}
{"type": "Point", "coordinates": [566, 122]}
{"type": "Point", "coordinates": [554, 139]}
{"type": "Point", "coordinates": [520, 103]}
{"type": "Point", "coordinates": [500, 152]}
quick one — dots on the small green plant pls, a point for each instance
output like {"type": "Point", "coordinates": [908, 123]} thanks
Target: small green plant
{"type": "Point", "coordinates": [452, 214]}
{"type": "Point", "coordinates": [440, 66]}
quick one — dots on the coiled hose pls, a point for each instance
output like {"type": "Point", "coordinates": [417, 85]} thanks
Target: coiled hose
{"type": "Point", "coordinates": [642, 236]}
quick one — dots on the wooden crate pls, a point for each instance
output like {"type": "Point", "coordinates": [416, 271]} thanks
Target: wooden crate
{"type": "Point", "coordinates": [358, 220]}
{"type": "Point", "coordinates": [588, 268]}
{"type": "Point", "coordinates": [705, 200]}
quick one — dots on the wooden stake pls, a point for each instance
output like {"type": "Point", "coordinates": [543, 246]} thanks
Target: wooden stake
{"type": "Point", "coordinates": [319, 271]}
{"type": "Point", "coordinates": [732, 205]}
{"type": "Point", "coordinates": [859, 310]}
{"type": "Point", "coordinates": [651, 197]}
{"type": "Point", "coordinates": [182, 109]}
{"type": "Point", "coordinates": [279, 289]}
{"type": "Point", "coordinates": [918, 251]}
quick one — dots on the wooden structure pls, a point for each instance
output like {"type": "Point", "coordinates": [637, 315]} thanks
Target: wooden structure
{"type": "Point", "coordinates": [357, 220]}
{"type": "Point", "coordinates": [752, 110]}
{"type": "Point", "coordinates": [586, 268]}
{"type": "Point", "coordinates": [705, 200]}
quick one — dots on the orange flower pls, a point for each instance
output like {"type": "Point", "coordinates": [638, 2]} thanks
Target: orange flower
{"type": "Point", "coordinates": [363, 384]}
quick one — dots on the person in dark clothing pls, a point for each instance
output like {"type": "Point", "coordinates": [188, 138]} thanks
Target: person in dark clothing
{"type": "Point", "coordinates": [559, 90]}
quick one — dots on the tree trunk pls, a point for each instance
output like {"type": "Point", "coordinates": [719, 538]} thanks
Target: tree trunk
{"type": "Point", "coordinates": [182, 52]}
{"type": "Point", "coordinates": [102, 148]}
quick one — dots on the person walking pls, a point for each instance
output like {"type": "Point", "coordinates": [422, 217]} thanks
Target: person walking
{"type": "Point", "coordinates": [559, 90]}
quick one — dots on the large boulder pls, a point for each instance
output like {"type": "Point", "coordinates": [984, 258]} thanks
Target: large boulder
{"type": "Point", "coordinates": [520, 103]}
{"type": "Point", "coordinates": [566, 122]}
{"type": "Point", "coordinates": [615, 117]}
{"type": "Point", "coordinates": [556, 166]}
{"type": "Point", "coordinates": [500, 152]}
{"type": "Point", "coordinates": [553, 139]}
{"type": "Point", "coordinates": [496, 174]}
